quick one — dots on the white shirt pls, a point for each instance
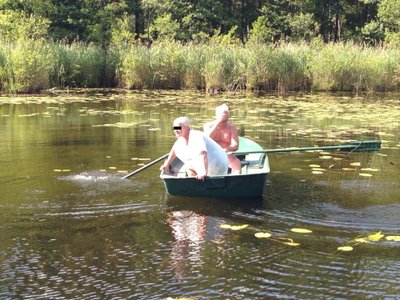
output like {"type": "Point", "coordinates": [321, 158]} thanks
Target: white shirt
{"type": "Point", "coordinates": [189, 153]}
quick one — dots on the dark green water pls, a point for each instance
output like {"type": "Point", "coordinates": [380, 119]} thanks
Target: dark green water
{"type": "Point", "coordinates": [70, 228]}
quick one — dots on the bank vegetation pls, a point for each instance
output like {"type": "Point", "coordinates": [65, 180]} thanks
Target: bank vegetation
{"type": "Point", "coordinates": [32, 65]}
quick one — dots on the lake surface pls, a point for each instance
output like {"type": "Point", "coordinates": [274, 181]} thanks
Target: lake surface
{"type": "Point", "coordinates": [71, 228]}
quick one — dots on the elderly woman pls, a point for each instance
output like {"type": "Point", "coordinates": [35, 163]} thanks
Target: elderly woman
{"type": "Point", "coordinates": [201, 155]}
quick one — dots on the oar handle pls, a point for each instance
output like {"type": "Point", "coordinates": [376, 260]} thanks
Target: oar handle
{"type": "Point", "coordinates": [146, 166]}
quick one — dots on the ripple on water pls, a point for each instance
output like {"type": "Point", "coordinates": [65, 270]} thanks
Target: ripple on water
{"type": "Point", "coordinates": [104, 209]}
{"type": "Point", "coordinates": [101, 179]}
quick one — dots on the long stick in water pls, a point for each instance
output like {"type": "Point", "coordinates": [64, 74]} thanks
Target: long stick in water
{"type": "Point", "coordinates": [146, 166]}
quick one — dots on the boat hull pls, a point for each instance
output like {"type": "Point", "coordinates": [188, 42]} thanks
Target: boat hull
{"type": "Point", "coordinates": [249, 184]}
{"type": "Point", "coordinates": [229, 186]}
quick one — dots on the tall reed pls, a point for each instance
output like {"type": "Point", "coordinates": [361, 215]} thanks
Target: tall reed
{"type": "Point", "coordinates": [159, 66]}
{"type": "Point", "coordinates": [29, 66]}
{"type": "Point", "coordinates": [24, 66]}
{"type": "Point", "coordinates": [349, 67]}
{"type": "Point", "coordinates": [80, 65]}
{"type": "Point", "coordinates": [195, 60]}
{"type": "Point", "coordinates": [224, 68]}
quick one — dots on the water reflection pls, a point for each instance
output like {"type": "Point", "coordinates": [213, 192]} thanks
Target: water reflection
{"type": "Point", "coordinates": [71, 228]}
{"type": "Point", "coordinates": [189, 230]}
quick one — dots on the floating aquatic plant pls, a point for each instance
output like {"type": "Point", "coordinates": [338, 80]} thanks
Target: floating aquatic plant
{"type": "Point", "coordinates": [234, 227]}
{"type": "Point", "coordinates": [326, 157]}
{"type": "Point", "coordinates": [287, 241]}
{"type": "Point", "coordinates": [261, 235]}
{"type": "Point", "coordinates": [367, 239]}
{"type": "Point", "coordinates": [317, 172]}
{"type": "Point", "coordinates": [345, 248]}
{"type": "Point", "coordinates": [369, 169]}
{"type": "Point", "coordinates": [62, 170]}
{"type": "Point", "coordinates": [375, 237]}
{"type": "Point", "coordinates": [361, 240]}
{"type": "Point", "coordinates": [300, 230]}
{"type": "Point", "coordinates": [365, 175]}
{"type": "Point", "coordinates": [395, 238]}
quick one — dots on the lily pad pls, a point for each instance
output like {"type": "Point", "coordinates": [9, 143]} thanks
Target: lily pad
{"type": "Point", "coordinates": [326, 157]}
{"type": "Point", "coordinates": [234, 227]}
{"type": "Point", "coordinates": [293, 244]}
{"type": "Point", "coordinates": [369, 170]}
{"type": "Point", "coordinates": [225, 226]}
{"type": "Point", "coordinates": [375, 237]}
{"type": "Point", "coordinates": [365, 175]}
{"type": "Point", "coordinates": [262, 235]}
{"type": "Point", "coordinates": [395, 238]}
{"type": "Point", "coordinates": [239, 227]}
{"type": "Point", "coordinates": [314, 166]}
{"type": "Point", "coordinates": [361, 240]}
{"type": "Point", "coordinates": [317, 172]}
{"type": "Point", "coordinates": [345, 248]}
{"type": "Point", "coordinates": [300, 230]}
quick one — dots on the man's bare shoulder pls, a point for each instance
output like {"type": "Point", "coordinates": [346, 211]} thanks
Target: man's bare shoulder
{"type": "Point", "coordinates": [231, 126]}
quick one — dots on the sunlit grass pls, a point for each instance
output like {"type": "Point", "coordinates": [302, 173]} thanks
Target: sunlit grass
{"type": "Point", "coordinates": [29, 66]}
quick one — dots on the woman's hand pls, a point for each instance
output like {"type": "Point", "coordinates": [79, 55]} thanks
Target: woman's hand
{"type": "Point", "coordinates": [165, 168]}
{"type": "Point", "coordinates": [201, 176]}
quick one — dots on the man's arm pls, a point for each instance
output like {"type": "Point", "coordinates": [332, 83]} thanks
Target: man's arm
{"type": "Point", "coordinates": [211, 129]}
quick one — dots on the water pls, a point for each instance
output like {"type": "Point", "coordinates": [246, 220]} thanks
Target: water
{"type": "Point", "coordinates": [70, 228]}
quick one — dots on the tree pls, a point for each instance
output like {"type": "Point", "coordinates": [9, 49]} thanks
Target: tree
{"type": "Point", "coordinates": [303, 26]}
{"type": "Point", "coordinates": [16, 25]}
{"type": "Point", "coordinates": [389, 15]}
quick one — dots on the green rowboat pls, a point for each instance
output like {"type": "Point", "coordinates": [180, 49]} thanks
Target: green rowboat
{"type": "Point", "coordinates": [249, 184]}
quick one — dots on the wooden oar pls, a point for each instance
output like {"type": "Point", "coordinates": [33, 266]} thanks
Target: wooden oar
{"type": "Point", "coordinates": [146, 166]}
{"type": "Point", "coordinates": [358, 146]}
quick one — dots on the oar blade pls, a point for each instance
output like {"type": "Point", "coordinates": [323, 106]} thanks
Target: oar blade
{"type": "Point", "coordinates": [360, 146]}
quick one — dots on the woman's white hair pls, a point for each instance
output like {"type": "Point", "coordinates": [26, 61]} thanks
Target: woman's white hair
{"type": "Point", "coordinates": [182, 121]}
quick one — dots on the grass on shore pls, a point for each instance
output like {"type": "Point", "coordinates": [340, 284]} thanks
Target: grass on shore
{"type": "Point", "coordinates": [30, 66]}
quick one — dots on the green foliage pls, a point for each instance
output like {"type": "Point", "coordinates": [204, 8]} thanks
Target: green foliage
{"type": "Point", "coordinates": [161, 66]}
{"type": "Point", "coordinates": [122, 31]}
{"type": "Point", "coordinates": [107, 21]}
{"type": "Point", "coordinates": [303, 26]}
{"type": "Point", "coordinates": [347, 67]}
{"type": "Point", "coordinates": [164, 28]}
{"type": "Point", "coordinates": [389, 15]}
{"type": "Point", "coordinates": [195, 56]}
{"type": "Point", "coordinates": [224, 68]}
{"type": "Point", "coordinates": [392, 39]}
{"type": "Point", "coordinates": [16, 25]}
{"type": "Point", "coordinates": [29, 66]}
{"type": "Point", "coordinates": [372, 33]}
{"type": "Point", "coordinates": [230, 38]}
{"type": "Point", "coordinates": [283, 68]}
{"type": "Point", "coordinates": [24, 66]}
{"type": "Point", "coordinates": [261, 32]}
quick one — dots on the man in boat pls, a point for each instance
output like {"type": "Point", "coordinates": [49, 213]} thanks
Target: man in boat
{"type": "Point", "coordinates": [201, 155]}
{"type": "Point", "coordinates": [225, 134]}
